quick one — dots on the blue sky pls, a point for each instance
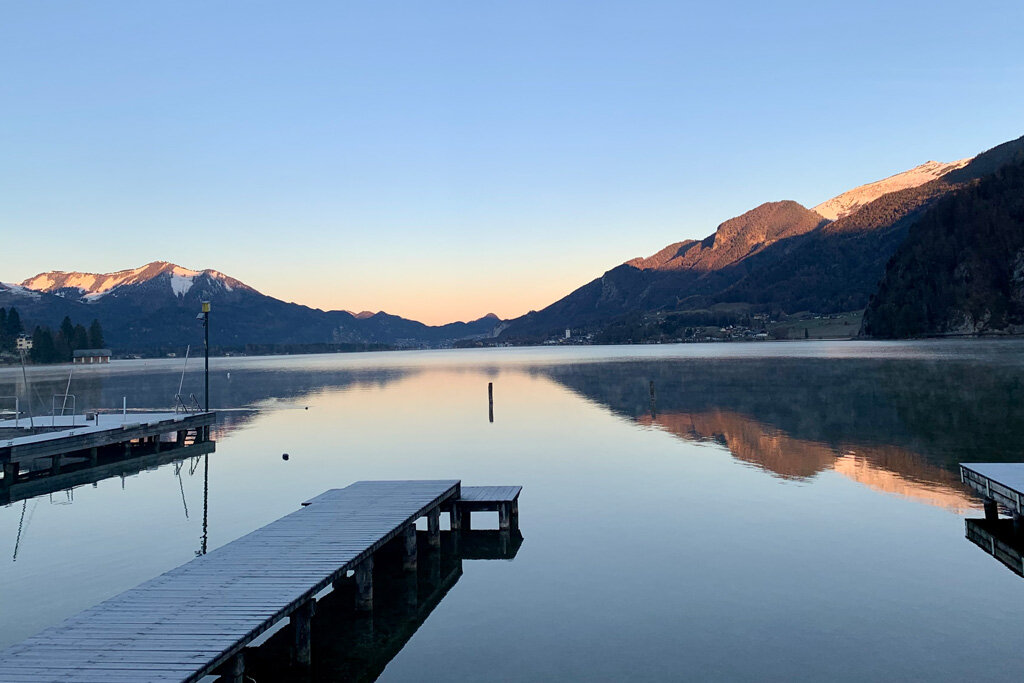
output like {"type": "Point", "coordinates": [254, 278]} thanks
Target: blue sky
{"type": "Point", "coordinates": [444, 160]}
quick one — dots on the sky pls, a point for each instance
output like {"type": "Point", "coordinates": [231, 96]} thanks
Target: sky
{"type": "Point", "coordinates": [444, 160]}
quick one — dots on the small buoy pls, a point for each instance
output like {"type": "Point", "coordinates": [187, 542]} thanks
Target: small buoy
{"type": "Point", "coordinates": [284, 456]}
{"type": "Point", "coordinates": [229, 375]}
{"type": "Point", "coordinates": [307, 407]}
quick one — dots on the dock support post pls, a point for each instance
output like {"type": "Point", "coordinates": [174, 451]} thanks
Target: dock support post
{"type": "Point", "coordinates": [434, 528]}
{"type": "Point", "coordinates": [94, 456]}
{"type": "Point", "coordinates": [1018, 525]}
{"type": "Point", "coordinates": [467, 520]}
{"type": "Point", "coordinates": [513, 517]}
{"type": "Point", "coordinates": [234, 672]}
{"type": "Point", "coordinates": [991, 510]}
{"type": "Point", "coordinates": [504, 516]}
{"type": "Point", "coordinates": [10, 473]}
{"type": "Point", "coordinates": [364, 585]}
{"type": "Point", "coordinates": [302, 628]}
{"type": "Point", "coordinates": [55, 464]}
{"type": "Point", "coordinates": [181, 436]}
{"type": "Point", "coordinates": [410, 549]}
{"type": "Point", "coordinates": [455, 517]}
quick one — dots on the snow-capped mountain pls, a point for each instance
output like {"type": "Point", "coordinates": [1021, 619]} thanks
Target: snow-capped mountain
{"type": "Point", "coordinates": [91, 287]}
{"type": "Point", "coordinates": [155, 305]}
{"type": "Point", "coordinates": [851, 200]}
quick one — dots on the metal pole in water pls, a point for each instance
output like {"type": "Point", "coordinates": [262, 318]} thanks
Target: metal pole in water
{"type": "Point", "coordinates": [490, 401]}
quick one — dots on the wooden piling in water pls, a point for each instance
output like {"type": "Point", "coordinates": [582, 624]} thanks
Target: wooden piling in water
{"type": "Point", "coordinates": [434, 528]}
{"type": "Point", "coordinates": [490, 401]}
{"type": "Point", "coordinates": [302, 629]}
{"type": "Point", "coordinates": [410, 548]}
{"type": "Point", "coordinates": [364, 585]}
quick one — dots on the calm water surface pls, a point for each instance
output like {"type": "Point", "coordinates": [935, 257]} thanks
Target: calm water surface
{"type": "Point", "coordinates": [777, 512]}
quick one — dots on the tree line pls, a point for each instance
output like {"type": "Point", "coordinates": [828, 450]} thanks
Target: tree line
{"type": "Point", "coordinates": [50, 346]}
{"type": "Point", "coordinates": [10, 328]}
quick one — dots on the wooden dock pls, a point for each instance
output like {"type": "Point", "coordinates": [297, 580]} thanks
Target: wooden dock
{"type": "Point", "coordinates": [57, 442]}
{"type": "Point", "coordinates": [197, 619]}
{"type": "Point", "coordinates": [998, 483]}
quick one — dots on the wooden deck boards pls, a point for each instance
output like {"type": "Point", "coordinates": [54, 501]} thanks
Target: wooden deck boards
{"type": "Point", "coordinates": [185, 623]}
{"type": "Point", "coordinates": [490, 494]}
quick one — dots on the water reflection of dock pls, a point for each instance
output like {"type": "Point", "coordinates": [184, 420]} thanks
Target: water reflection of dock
{"type": "Point", "coordinates": [61, 453]}
{"type": "Point", "coordinates": [349, 645]}
{"type": "Point", "coordinates": [998, 539]}
{"type": "Point", "coordinates": [204, 618]}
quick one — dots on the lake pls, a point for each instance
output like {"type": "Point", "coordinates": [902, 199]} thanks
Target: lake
{"type": "Point", "coordinates": [772, 511]}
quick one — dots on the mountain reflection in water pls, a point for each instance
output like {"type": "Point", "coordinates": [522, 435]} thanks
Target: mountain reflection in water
{"type": "Point", "coordinates": [899, 427]}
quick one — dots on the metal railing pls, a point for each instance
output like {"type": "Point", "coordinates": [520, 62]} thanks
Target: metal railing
{"type": "Point", "coordinates": [188, 407]}
{"type": "Point", "coordinates": [60, 402]}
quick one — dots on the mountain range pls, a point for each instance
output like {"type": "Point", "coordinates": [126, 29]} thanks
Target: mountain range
{"type": "Point", "coordinates": [937, 249]}
{"type": "Point", "coordinates": [778, 258]}
{"type": "Point", "coordinates": [155, 306]}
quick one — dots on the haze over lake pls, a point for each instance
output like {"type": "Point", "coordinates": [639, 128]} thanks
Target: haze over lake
{"type": "Point", "coordinates": [772, 511]}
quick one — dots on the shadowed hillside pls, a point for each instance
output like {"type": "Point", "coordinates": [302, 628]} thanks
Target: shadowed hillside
{"type": "Point", "coordinates": [961, 268]}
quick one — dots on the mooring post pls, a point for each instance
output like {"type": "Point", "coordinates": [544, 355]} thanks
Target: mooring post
{"type": "Point", "coordinates": [234, 671]}
{"type": "Point", "coordinates": [504, 516]}
{"type": "Point", "coordinates": [991, 510]}
{"type": "Point", "coordinates": [409, 555]}
{"type": "Point", "coordinates": [490, 401]}
{"type": "Point", "coordinates": [364, 585]}
{"type": "Point", "coordinates": [302, 628]}
{"type": "Point", "coordinates": [434, 528]}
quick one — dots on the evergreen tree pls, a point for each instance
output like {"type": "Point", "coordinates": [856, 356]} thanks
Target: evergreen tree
{"type": "Point", "coordinates": [5, 343]}
{"type": "Point", "coordinates": [67, 328]}
{"type": "Point", "coordinates": [14, 327]}
{"type": "Point", "coordinates": [96, 335]}
{"type": "Point", "coordinates": [43, 349]}
{"type": "Point", "coordinates": [81, 338]}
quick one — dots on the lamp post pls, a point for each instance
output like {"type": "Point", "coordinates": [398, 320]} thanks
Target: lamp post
{"type": "Point", "coordinates": [206, 351]}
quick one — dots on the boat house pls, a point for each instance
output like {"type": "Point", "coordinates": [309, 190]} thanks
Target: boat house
{"type": "Point", "coordinates": [90, 356]}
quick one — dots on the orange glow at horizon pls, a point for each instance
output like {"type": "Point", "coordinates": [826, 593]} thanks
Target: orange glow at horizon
{"type": "Point", "coordinates": [433, 301]}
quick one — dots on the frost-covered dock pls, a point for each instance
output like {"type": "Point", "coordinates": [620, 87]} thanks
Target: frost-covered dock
{"type": "Point", "coordinates": [197, 620]}
{"type": "Point", "coordinates": [53, 445]}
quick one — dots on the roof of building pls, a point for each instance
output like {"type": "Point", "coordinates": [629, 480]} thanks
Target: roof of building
{"type": "Point", "coordinates": [86, 353]}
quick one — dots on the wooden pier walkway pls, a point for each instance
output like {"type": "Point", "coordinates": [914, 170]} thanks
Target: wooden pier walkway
{"type": "Point", "coordinates": [196, 620]}
{"type": "Point", "coordinates": [76, 438]}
